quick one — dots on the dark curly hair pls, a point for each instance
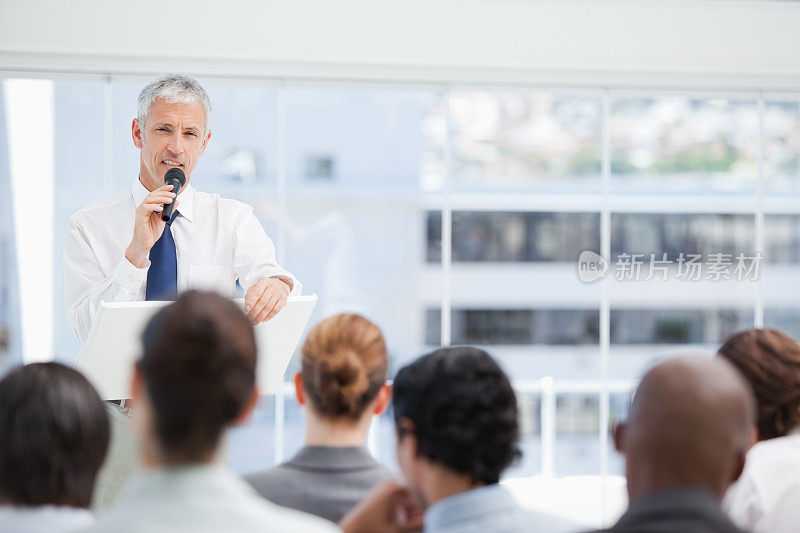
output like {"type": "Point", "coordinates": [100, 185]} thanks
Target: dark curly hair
{"type": "Point", "coordinates": [199, 370]}
{"type": "Point", "coordinates": [770, 360]}
{"type": "Point", "coordinates": [463, 409]}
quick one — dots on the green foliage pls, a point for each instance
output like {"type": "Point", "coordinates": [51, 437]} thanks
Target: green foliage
{"type": "Point", "coordinates": [585, 161]}
{"type": "Point", "coordinates": [698, 159]}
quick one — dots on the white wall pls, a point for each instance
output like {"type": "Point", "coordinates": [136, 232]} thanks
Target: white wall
{"type": "Point", "coordinates": [681, 43]}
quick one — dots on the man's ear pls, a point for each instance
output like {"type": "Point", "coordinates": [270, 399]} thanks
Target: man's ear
{"type": "Point", "coordinates": [619, 436]}
{"type": "Point", "coordinates": [407, 434]}
{"type": "Point", "coordinates": [137, 383]}
{"type": "Point", "coordinates": [383, 399]}
{"type": "Point", "coordinates": [741, 456]}
{"type": "Point", "coordinates": [299, 390]}
{"type": "Point", "coordinates": [754, 436]}
{"type": "Point", "coordinates": [738, 466]}
{"type": "Point", "coordinates": [248, 408]}
{"type": "Point", "coordinates": [205, 142]}
{"type": "Point", "coordinates": [136, 133]}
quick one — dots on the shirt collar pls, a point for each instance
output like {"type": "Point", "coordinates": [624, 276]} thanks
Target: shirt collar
{"type": "Point", "coordinates": [188, 475]}
{"type": "Point", "coordinates": [678, 501]}
{"type": "Point", "coordinates": [468, 506]}
{"type": "Point", "coordinates": [186, 198]}
{"type": "Point", "coordinates": [333, 458]}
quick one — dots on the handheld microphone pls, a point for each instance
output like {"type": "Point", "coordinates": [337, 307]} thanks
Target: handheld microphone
{"type": "Point", "coordinates": [177, 179]}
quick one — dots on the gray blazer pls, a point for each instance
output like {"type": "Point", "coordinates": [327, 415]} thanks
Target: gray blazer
{"type": "Point", "coordinates": [325, 481]}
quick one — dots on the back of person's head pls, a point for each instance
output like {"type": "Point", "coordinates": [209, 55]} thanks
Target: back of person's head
{"type": "Point", "coordinates": [690, 426]}
{"type": "Point", "coordinates": [461, 409]}
{"type": "Point", "coordinates": [344, 366]}
{"type": "Point", "coordinates": [54, 433]}
{"type": "Point", "coordinates": [198, 370]}
{"type": "Point", "coordinates": [770, 360]}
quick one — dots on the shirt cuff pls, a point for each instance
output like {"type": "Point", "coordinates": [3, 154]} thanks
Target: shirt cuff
{"type": "Point", "coordinates": [285, 278]}
{"type": "Point", "coordinates": [130, 277]}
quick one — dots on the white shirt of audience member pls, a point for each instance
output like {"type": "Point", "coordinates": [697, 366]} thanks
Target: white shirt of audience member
{"type": "Point", "coordinates": [200, 499]}
{"type": "Point", "coordinates": [766, 498]}
{"type": "Point", "coordinates": [43, 519]}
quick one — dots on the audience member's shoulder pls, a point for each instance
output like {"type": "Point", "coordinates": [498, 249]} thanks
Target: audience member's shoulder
{"type": "Point", "coordinates": [261, 516]}
{"type": "Point", "coordinates": [779, 449]}
{"type": "Point", "coordinates": [546, 523]}
{"type": "Point", "coordinates": [770, 476]}
{"type": "Point", "coordinates": [268, 482]}
{"type": "Point", "coordinates": [290, 520]}
{"type": "Point", "coordinates": [43, 519]}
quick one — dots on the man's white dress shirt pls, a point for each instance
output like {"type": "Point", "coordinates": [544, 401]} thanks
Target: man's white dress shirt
{"type": "Point", "coordinates": [200, 499]}
{"type": "Point", "coordinates": [43, 519]}
{"type": "Point", "coordinates": [217, 240]}
{"type": "Point", "coordinates": [767, 495]}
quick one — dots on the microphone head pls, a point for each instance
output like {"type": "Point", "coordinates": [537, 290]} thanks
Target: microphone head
{"type": "Point", "coordinates": [176, 178]}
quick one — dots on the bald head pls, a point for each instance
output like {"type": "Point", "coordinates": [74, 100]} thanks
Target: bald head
{"type": "Point", "coordinates": [690, 425]}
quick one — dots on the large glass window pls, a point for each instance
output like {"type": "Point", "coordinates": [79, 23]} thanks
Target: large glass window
{"type": "Point", "coordinates": [357, 168]}
{"type": "Point", "coordinates": [79, 180]}
{"type": "Point", "coordinates": [364, 188]}
{"type": "Point", "coordinates": [10, 347]}
{"type": "Point", "coordinates": [781, 273]}
{"type": "Point", "coordinates": [518, 140]}
{"type": "Point", "coordinates": [781, 125]}
{"type": "Point", "coordinates": [684, 144]}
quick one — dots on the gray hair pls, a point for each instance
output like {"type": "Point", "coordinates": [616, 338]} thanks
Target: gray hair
{"type": "Point", "coordinates": [175, 88]}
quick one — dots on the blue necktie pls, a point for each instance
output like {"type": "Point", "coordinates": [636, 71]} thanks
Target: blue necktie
{"type": "Point", "coordinates": [162, 277]}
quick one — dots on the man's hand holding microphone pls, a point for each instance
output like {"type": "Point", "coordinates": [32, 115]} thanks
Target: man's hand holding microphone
{"type": "Point", "coordinates": [263, 300]}
{"type": "Point", "coordinates": [149, 221]}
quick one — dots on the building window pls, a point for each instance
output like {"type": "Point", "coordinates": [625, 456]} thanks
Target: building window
{"type": "Point", "coordinates": [674, 234]}
{"type": "Point", "coordinates": [516, 326]}
{"type": "Point", "coordinates": [486, 236]}
{"type": "Point", "coordinates": [782, 239]}
{"type": "Point", "coordinates": [677, 326]}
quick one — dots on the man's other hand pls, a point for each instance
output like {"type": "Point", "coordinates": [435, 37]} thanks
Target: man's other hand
{"type": "Point", "coordinates": [148, 226]}
{"type": "Point", "coordinates": [388, 508]}
{"type": "Point", "coordinates": [265, 299]}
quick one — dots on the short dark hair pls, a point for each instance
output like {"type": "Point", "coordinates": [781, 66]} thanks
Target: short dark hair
{"type": "Point", "coordinates": [199, 370]}
{"type": "Point", "coordinates": [770, 360]}
{"type": "Point", "coordinates": [464, 411]}
{"type": "Point", "coordinates": [54, 434]}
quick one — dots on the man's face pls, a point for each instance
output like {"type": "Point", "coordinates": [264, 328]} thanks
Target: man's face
{"type": "Point", "coordinates": [172, 137]}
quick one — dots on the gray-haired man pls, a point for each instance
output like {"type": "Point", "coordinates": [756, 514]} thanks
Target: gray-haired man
{"type": "Point", "coordinates": [120, 249]}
